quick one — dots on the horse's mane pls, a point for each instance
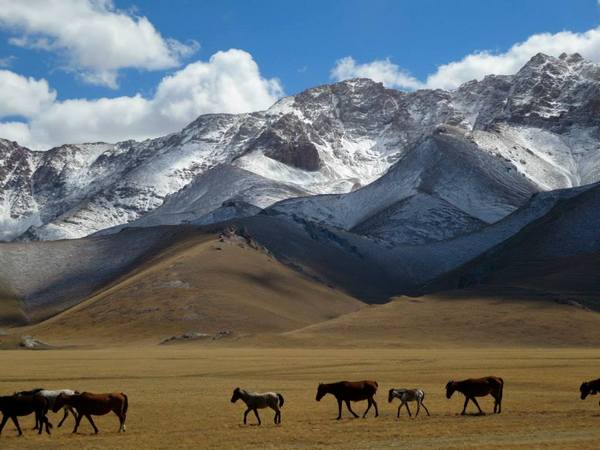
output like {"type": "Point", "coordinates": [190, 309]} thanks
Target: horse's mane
{"type": "Point", "coordinates": [32, 392]}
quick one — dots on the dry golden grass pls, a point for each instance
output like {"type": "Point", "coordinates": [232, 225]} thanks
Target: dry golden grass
{"type": "Point", "coordinates": [179, 397]}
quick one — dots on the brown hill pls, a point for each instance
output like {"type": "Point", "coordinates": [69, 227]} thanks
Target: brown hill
{"type": "Point", "coordinates": [462, 319]}
{"type": "Point", "coordinates": [202, 284]}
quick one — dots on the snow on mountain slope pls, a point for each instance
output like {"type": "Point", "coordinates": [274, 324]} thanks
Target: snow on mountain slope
{"type": "Point", "coordinates": [418, 219]}
{"type": "Point", "coordinates": [332, 139]}
{"type": "Point", "coordinates": [464, 189]}
{"type": "Point", "coordinates": [222, 185]}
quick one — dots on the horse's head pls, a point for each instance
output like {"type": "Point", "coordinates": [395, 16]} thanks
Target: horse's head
{"type": "Point", "coordinates": [585, 390]}
{"type": "Point", "coordinates": [60, 402]}
{"type": "Point", "coordinates": [450, 388]}
{"type": "Point", "coordinates": [390, 396]}
{"type": "Point", "coordinates": [236, 395]}
{"type": "Point", "coordinates": [321, 391]}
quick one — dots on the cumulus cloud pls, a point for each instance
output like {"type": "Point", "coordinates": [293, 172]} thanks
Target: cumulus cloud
{"type": "Point", "coordinates": [22, 96]}
{"type": "Point", "coordinates": [95, 37]}
{"type": "Point", "coordinates": [230, 82]}
{"type": "Point", "coordinates": [475, 65]}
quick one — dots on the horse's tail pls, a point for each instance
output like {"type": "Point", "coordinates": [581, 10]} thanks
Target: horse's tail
{"type": "Point", "coordinates": [125, 403]}
{"type": "Point", "coordinates": [280, 399]}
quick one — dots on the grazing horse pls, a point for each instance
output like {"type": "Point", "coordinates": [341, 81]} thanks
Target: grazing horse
{"type": "Point", "coordinates": [51, 396]}
{"type": "Point", "coordinates": [478, 387]}
{"type": "Point", "coordinates": [13, 406]}
{"type": "Point", "coordinates": [88, 405]}
{"type": "Point", "coordinates": [589, 388]}
{"type": "Point", "coordinates": [255, 401]}
{"type": "Point", "coordinates": [408, 395]}
{"type": "Point", "coordinates": [350, 391]}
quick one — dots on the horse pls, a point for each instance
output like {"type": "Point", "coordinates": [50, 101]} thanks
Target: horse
{"type": "Point", "coordinates": [87, 405]}
{"type": "Point", "coordinates": [408, 395]}
{"type": "Point", "coordinates": [478, 387]}
{"type": "Point", "coordinates": [589, 388]}
{"type": "Point", "coordinates": [13, 406]}
{"type": "Point", "coordinates": [347, 391]}
{"type": "Point", "coordinates": [255, 401]}
{"type": "Point", "coordinates": [51, 396]}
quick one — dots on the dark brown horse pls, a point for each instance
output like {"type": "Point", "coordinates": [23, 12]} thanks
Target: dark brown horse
{"type": "Point", "coordinates": [13, 406]}
{"type": "Point", "coordinates": [589, 388]}
{"type": "Point", "coordinates": [478, 387]}
{"type": "Point", "coordinates": [350, 391]}
{"type": "Point", "coordinates": [88, 405]}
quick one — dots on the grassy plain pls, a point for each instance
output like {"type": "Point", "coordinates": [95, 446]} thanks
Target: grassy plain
{"type": "Point", "coordinates": [179, 397]}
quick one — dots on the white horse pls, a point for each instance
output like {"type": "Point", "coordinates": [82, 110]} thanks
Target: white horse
{"type": "Point", "coordinates": [408, 395]}
{"type": "Point", "coordinates": [255, 401]}
{"type": "Point", "coordinates": [51, 395]}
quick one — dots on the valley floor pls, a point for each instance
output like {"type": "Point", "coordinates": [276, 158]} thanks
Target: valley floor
{"type": "Point", "coordinates": [179, 397]}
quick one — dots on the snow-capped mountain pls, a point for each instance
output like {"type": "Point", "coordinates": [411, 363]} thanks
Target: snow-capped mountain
{"type": "Point", "coordinates": [404, 168]}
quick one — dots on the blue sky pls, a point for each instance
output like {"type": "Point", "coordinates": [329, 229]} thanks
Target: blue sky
{"type": "Point", "coordinates": [294, 45]}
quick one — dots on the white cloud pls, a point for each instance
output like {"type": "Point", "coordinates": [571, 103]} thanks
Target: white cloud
{"type": "Point", "coordinates": [383, 71]}
{"type": "Point", "coordinates": [21, 96]}
{"type": "Point", "coordinates": [96, 38]}
{"type": "Point", "coordinates": [230, 82]}
{"type": "Point", "coordinates": [475, 65]}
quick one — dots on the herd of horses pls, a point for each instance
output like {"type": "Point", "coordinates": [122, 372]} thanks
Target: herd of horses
{"type": "Point", "coordinates": [85, 404]}
{"type": "Point", "coordinates": [40, 401]}
{"type": "Point", "coordinates": [346, 392]}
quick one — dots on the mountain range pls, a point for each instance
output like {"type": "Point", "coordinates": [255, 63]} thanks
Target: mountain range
{"type": "Point", "coordinates": [369, 190]}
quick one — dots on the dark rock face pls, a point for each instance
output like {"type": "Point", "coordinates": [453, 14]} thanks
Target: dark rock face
{"type": "Point", "coordinates": [286, 141]}
{"type": "Point", "coordinates": [302, 155]}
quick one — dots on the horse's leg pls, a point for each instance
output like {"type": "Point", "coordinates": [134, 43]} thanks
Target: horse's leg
{"type": "Point", "coordinates": [246, 414]}
{"type": "Point", "coordinates": [257, 416]}
{"type": "Point", "coordinates": [48, 425]}
{"type": "Point", "coordinates": [37, 422]}
{"type": "Point", "coordinates": [408, 409]}
{"type": "Point", "coordinates": [39, 419]}
{"type": "Point", "coordinates": [426, 410]}
{"type": "Point", "coordinates": [277, 413]}
{"type": "Point", "coordinates": [339, 409]}
{"type": "Point", "coordinates": [477, 404]}
{"type": "Point", "coordinates": [350, 409]}
{"type": "Point", "coordinates": [16, 422]}
{"type": "Point", "coordinates": [4, 420]}
{"type": "Point", "coordinates": [77, 420]}
{"type": "Point", "coordinates": [418, 408]}
{"type": "Point", "coordinates": [398, 415]}
{"type": "Point", "coordinates": [375, 405]}
{"type": "Point", "coordinates": [66, 413]}
{"type": "Point", "coordinates": [122, 418]}
{"type": "Point", "coordinates": [370, 402]}
{"type": "Point", "coordinates": [464, 411]}
{"type": "Point", "coordinates": [91, 421]}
